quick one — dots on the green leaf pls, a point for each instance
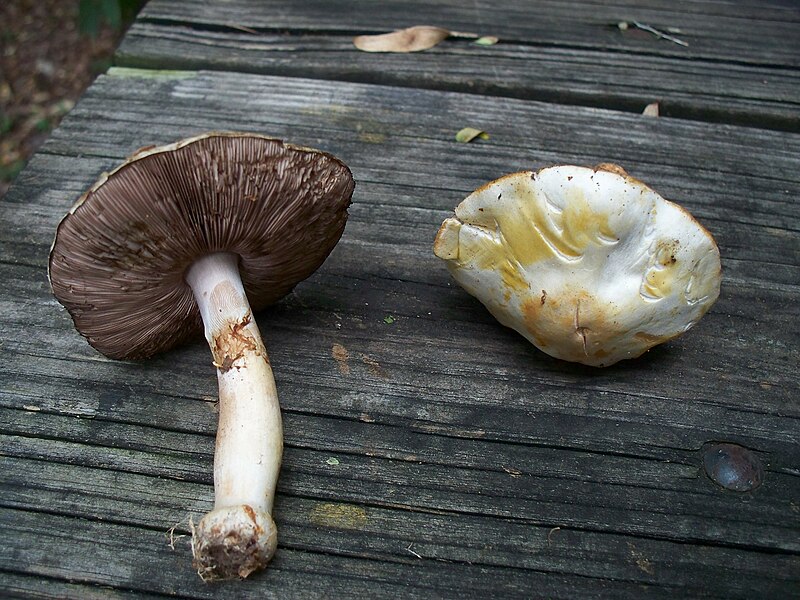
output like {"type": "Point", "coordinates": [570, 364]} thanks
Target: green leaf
{"type": "Point", "coordinates": [113, 13]}
{"type": "Point", "coordinates": [89, 17]}
{"type": "Point", "coordinates": [487, 40]}
{"type": "Point", "coordinates": [388, 319]}
{"type": "Point", "coordinates": [6, 123]}
{"type": "Point", "coordinates": [468, 134]}
{"type": "Point", "coordinates": [9, 171]}
{"type": "Point", "coordinates": [43, 125]}
{"type": "Point", "coordinates": [93, 13]}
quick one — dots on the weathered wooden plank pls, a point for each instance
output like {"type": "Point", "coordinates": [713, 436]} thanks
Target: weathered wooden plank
{"type": "Point", "coordinates": [752, 231]}
{"type": "Point", "coordinates": [687, 88]}
{"type": "Point", "coordinates": [638, 410]}
{"type": "Point", "coordinates": [703, 166]}
{"type": "Point", "coordinates": [524, 134]}
{"type": "Point", "coordinates": [414, 250]}
{"type": "Point", "coordinates": [535, 132]}
{"type": "Point", "coordinates": [414, 472]}
{"type": "Point", "coordinates": [418, 438]}
{"type": "Point", "coordinates": [730, 31]}
{"type": "Point", "coordinates": [18, 587]}
{"type": "Point", "coordinates": [111, 554]}
{"type": "Point", "coordinates": [381, 533]}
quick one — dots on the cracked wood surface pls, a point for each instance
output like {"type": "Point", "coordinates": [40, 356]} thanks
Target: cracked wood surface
{"type": "Point", "coordinates": [466, 462]}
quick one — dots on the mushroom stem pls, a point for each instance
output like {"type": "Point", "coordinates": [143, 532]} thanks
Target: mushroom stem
{"type": "Point", "coordinates": [239, 535]}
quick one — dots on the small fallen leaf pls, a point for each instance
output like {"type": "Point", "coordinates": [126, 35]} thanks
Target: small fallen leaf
{"type": "Point", "coordinates": [388, 319]}
{"type": "Point", "coordinates": [333, 461]}
{"type": "Point", "coordinates": [412, 39]}
{"type": "Point", "coordinates": [468, 134]}
{"type": "Point", "coordinates": [487, 40]}
{"type": "Point", "coordinates": [651, 110]}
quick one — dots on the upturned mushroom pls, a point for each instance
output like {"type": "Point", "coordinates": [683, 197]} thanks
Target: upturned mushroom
{"type": "Point", "coordinates": [590, 265]}
{"type": "Point", "coordinates": [194, 236]}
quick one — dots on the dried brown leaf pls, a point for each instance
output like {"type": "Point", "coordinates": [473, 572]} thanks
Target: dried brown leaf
{"type": "Point", "coordinates": [412, 39]}
{"type": "Point", "coordinates": [651, 110]}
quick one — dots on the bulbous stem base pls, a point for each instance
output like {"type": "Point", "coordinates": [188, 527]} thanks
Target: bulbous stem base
{"type": "Point", "coordinates": [233, 542]}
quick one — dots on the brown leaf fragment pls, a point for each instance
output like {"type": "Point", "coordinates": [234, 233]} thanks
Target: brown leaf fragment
{"type": "Point", "coordinates": [375, 367]}
{"type": "Point", "coordinates": [341, 356]}
{"type": "Point", "coordinates": [468, 134]}
{"type": "Point", "coordinates": [412, 39]}
{"type": "Point", "coordinates": [651, 110]}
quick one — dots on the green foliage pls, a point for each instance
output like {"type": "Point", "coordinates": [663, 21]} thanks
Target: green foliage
{"type": "Point", "coordinates": [116, 13]}
{"type": "Point", "coordinates": [6, 123]}
{"type": "Point", "coordinates": [10, 171]}
{"type": "Point", "coordinates": [101, 65]}
{"type": "Point", "coordinates": [43, 125]}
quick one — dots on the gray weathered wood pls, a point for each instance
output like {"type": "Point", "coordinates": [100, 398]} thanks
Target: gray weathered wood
{"type": "Point", "coordinates": [388, 533]}
{"type": "Point", "coordinates": [729, 30]}
{"type": "Point", "coordinates": [755, 95]}
{"type": "Point", "coordinates": [503, 445]}
{"type": "Point", "coordinates": [740, 65]}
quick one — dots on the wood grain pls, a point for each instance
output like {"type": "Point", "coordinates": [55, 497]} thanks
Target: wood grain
{"type": "Point", "coordinates": [740, 65]}
{"type": "Point", "coordinates": [727, 30]}
{"type": "Point", "coordinates": [469, 463]}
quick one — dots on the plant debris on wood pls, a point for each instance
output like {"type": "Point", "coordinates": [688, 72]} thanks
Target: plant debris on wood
{"type": "Point", "coordinates": [468, 134]}
{"type": "Point", "coordinates": [411, 39]}
{"type": "Point", "coordinates": [625, 26]}
{"type": "Point", "coordinates": [487, 40]}
{"type": "Point", "coordinates": [651, 110]}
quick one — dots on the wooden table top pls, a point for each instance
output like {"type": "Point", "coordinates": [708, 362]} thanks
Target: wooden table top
{"type": "Point", "coordinates": [429, 451]}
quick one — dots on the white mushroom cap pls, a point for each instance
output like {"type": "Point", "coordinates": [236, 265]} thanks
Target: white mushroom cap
{"type": "Point", "coordinates": [590, 265]}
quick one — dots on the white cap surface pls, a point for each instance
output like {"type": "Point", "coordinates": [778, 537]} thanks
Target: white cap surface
{"type": "Point", "coordinates": [590, 265]}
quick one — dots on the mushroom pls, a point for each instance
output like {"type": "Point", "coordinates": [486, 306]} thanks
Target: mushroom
{"type": "Point", "coordinates": [194, 236]}
{"type": "Point", "coordinates": [590, 265]}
